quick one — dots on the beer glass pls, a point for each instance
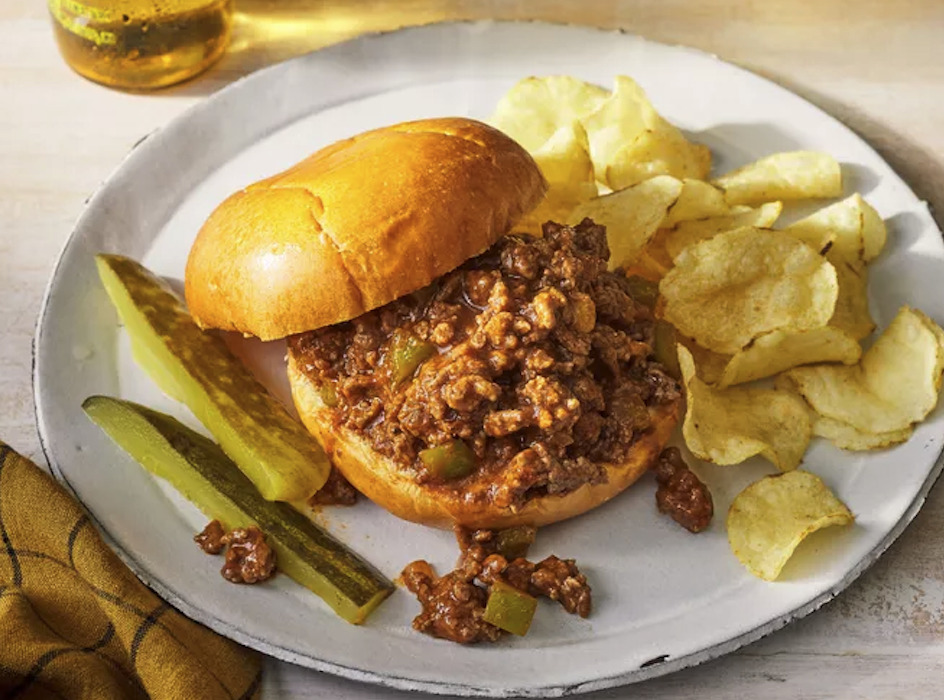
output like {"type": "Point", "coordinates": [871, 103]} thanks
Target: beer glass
{"type": "Point", "coordinates": [141, 44]}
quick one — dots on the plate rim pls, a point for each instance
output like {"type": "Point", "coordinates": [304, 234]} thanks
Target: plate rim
{"type": "Point", "coordinates": [647, 670]}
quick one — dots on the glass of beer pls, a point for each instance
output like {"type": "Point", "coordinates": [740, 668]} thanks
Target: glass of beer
{"type": "Point", "coordinates": [141, 44]}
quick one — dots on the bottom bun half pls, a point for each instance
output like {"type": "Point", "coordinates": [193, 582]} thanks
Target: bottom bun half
{"type": "Point", "coordinates": [378, 477]}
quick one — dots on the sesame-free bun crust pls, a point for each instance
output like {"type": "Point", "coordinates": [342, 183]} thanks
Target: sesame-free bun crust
{"type": "Point", "coordinates": [378, 477]}
{"type": "Point", "coordinates": [357, 225]}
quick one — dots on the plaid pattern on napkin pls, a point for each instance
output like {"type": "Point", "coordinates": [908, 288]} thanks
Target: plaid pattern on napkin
{"type": "Point", "coordinates": [76, 623]}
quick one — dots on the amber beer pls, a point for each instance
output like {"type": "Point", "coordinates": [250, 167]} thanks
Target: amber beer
{"type": "Point", "coordinates": [141, 44]}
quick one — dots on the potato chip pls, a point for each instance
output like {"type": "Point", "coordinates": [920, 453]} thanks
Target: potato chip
{"type": "Point", "coordinates": [783, 176]}
{"type": "Point", "coordinates": [630, 142]}
{"type": "Point", "coordinates": [846, 437]}
{"type": "Point", "coordinates": [874, 232]}
{"type": "Point", "coordinates": [852, 305]}
{"type": "Point", "coordinates": [564, 161]}
{"type": "Point", "coordinates": [659, 150]}
{"type": "Point", "coordinates": [631, 216]}
{"type": "Point", "coordinates": [741, 284]}
{"type": "Point", "coordinates": [931, 325]}
{"type": "Point", "coordinates": [698, 200]}
{"type": "Point", "coordinates": [727, 426]}
{"type": "Point", "coordinates": [777, 351]}
{"type": "Point", "coordinates": [895, 385]}
{"type": "Point", "coordinates": [615, 124]}
{"type": "Point", "coordinates": [709, 366]}
{"type": "Point", "coordinates": [688, 232]}
{"type": "Point", "coordinates": [652, 262]}
{"type": "Point", "coordinates": [535, 108]}
{"type": "Point", "coordinates": [850, 230]}
{"type": "Point", "coordinates": [769, 519]}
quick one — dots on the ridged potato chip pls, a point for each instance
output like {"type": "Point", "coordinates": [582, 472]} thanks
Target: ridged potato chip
{"type": "Point", "coordinates": [777, 351]}
{"type": "Point", "coordinates": [846, 437]}
{"type": "Point", "coordinates": [895, 385]}
{"type": "Point", "coordinates": [728, 426]}
{"type": "Point", "coordinates": [616, 123]}
{"type": "Point", "coordinates": [783, 176]}
{"type": "Point", "coordinates": [535, 108]}
{"type": "Point", "coordinates": [687, 233]}
{"type": "Point", "coordinates": [630, 142]}
{"type": "Point", "coordinates": [697, 200]}
{"type": "Point", "coordinates": [631, 216]}
{"type": "Point", "coordinates": [709, 366]}
{"type": "Point", "coordinates": [852, 305]}
{"type": "Point", "coordinates": [564, 160]}
{"type": "Point", "coordinates": [850, 230]}
{"type": "Point", "coordinates": [652, 262]}
{"type": "Point", "coordinates": [769, 519]}
{"type": "Point", "coordinates": [741, 284]}
{"type": "Point", "coordinates": [659, 150]}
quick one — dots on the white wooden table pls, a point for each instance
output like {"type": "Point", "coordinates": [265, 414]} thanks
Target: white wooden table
{"type": "Point", "coordinates": [877, 65]}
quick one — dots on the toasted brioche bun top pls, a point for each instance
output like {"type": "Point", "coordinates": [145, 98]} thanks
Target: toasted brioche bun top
{"type": "Point", "coordinates": [379, 478]}
{"type": "Point", "coordinates": [357, 225]}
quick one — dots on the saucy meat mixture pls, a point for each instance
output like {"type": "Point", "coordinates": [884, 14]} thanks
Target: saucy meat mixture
{"type": "Point", "coordinates": [680, 493]}
{"type": "Point", "coordinates": [531, 363]}
{"type": "Point", "coordinates": [336, 491]}
{"type": "Point", "coordinates": [454, 604]}
{"type": "Point", "coordinates": [248, 559]}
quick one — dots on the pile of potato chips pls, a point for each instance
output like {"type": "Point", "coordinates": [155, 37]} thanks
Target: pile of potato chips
{"type": "Point", "coordinates": [739, 300]}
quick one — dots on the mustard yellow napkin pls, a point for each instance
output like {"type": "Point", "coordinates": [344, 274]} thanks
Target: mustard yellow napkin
{"type": "Point", "coordinates": [76, 623]}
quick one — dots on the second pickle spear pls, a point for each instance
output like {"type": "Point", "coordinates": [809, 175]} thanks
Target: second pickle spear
{"type": "Point", "coordinates": [271, 448]}
{"type": "Point", "coordinates": [196, 467]}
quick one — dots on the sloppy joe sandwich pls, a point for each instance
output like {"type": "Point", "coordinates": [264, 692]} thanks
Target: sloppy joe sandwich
{"type": "Point", "coordinates": [455, 372]}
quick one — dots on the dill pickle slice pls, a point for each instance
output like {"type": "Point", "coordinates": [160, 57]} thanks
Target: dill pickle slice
{"type": "Point", "coordinates": [509, 609]}
{"type": "Point", "coordinates": [514, 542]}
{"type": "Point", "coordinates": [453, 460]}
{"type": "Point", "coordinates": [405, 355]}
{"type": "Point", "coordinates": [328, 394]}
{"type": "Point", "coordinates": [643, 291]}
{"type": "Point", "coordinates": [665, 341]}
{"type": "Point", "coordinates": [200, 470]}
{"type": "Point", "coordinates": [273, 449]}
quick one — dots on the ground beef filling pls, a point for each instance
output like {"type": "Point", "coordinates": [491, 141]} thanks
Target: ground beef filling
{"type": "Point", "coordinates": [532, 354]}
{"type": "Point", "coordinates": [680, 493]}
{"type": "Point", "coordinates": [454, 604]}
{"type": "Point", "coordinates": [336, 491]}
{"type": "Point", "coordinates": [248, 557]}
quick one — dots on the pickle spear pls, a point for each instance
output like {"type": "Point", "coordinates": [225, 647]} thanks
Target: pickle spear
{"type": "Point", "coordinates": [273, 449]}
{"type": "Point", "coordinates": [200, 470]}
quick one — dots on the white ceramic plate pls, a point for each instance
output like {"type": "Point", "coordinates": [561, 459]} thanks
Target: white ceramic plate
{"type": "Point", "coordinates": [664, 599]}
